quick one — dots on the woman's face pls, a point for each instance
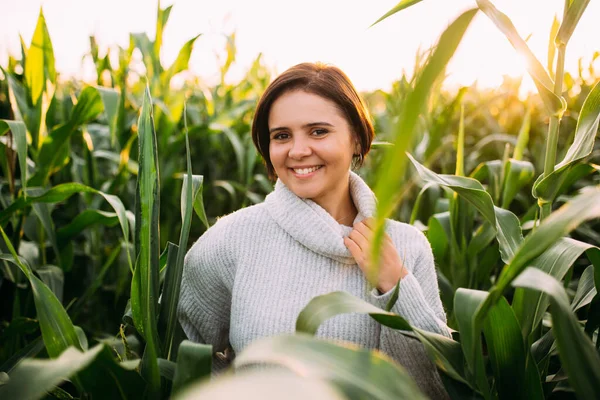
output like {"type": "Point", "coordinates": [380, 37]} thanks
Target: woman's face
{"type": "Point", "coordinates": [311, 146]}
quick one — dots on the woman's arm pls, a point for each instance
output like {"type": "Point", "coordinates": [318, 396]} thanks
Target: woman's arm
{"type": "Point", "coordinates": [205, 299]}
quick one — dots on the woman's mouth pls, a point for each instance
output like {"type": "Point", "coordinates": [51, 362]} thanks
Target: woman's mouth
{"type": "Point", "coordinates": [305, 172]}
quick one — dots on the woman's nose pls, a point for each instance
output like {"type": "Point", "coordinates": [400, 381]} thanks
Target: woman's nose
{"type": "Point", "coordinates": [300, 149]}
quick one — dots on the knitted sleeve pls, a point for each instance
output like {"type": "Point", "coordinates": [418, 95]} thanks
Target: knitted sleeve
{"type": "Point", "coordinates": [419, 298]}
{"type": "Point", "coordinates": [205, 299]}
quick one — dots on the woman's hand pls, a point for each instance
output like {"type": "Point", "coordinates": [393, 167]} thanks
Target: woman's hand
{"type": "Point", "coordinates": [391, 267]}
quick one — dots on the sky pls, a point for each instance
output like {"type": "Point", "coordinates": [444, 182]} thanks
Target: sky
{"type": "Point", "coordinates": [289, 32]}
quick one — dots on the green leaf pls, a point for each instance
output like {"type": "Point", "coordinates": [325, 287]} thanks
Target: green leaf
{"type": "Point", "coordinates": [192, 185]}
{"type": "Point", "coordinates": [552, 46]}
{"type": "Point", "coordinates": [194, 362]}
{"type": "Point", "coordinates": [444, 352]}
{"type": "Point", "coordinates": [466, 301]}
{"type": "Point", "coordinates": [572, 17]}
{"type": "Point", "coordinates": [161, 21]}
{"type": "Point", "coordinates": [356, 370]}
{"type": "Point", "coordinates": [260, 385]}
{"type": "Point", "coordinates": [523, 137]}
{"type": "Point", "coordinates": [517, 174]}
{"type": "Point", "coordinates": [84, 220]}
{"type": "Point", "coordinates": [581, 208]}
{"type": "Point", "coordinates": [505, 222]}
{"type": "Point", "coordinates": [403, 4]}
{"type": "Point", "coordinates": [508, 355]}
{"type": "Point", "coordinates": [111, 102]}
{"type": "Point", "coordinates": [56, 326]}
{"type": "Point", "coordinates": [144, 285]}
{"type": "Point", "coordinates": [40, 61]}
{"type": "Point", "coordinates": [391, 170]}
{"type": "Point", "coordinates": [555, 105]}
{"type": "Point", "coordinates": [54, 278]}
{"type": "Point", "coordinates": [577, 352]}
{"type": "Point", "coordinates": [183, 58]}
{"type": "Point", "coordinates": [32, 378]}
{"type": "Point", "coordinates": [61, 193]}
{"type": "Point", "coordinates": [530, 306]}
{"type": "Point", "coordinates": [105, 378]}
{"type": "Point", "coordinates": [19, 132]}
{"type": "Point", "coordinates": [89, 106]}
{"type": "Point", "coordinates": [546, 188]}
{"type": "Point", "coordinates": [585, 290]}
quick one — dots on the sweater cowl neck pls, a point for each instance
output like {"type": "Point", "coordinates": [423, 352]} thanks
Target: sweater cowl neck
{"type": "Point", "coordinates": [312, 226]}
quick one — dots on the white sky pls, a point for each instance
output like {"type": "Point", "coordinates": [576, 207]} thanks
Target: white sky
{"type": "Point", "coordinates": [288, 32]}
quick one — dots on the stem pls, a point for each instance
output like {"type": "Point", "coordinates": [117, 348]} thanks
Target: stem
{"type": "Point", "coordinates": [553, 128]}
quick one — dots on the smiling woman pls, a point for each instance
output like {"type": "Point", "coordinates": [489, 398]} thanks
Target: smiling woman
{"type": "Point", "coordinates": [251, 274]}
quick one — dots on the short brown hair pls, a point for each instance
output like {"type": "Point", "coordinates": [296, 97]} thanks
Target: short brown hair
{"type": "Point", "coordinates": [326, 81]}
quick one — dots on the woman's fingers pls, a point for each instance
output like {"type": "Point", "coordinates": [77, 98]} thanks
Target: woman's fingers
{"type": "Point", "coordinates": [360, 239]}
{"type": "Point", "coordinates": [355, 250]}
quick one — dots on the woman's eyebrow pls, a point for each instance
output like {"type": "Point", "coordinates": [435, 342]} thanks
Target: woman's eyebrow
{"type": "Point", "coordinates": [309, 125]}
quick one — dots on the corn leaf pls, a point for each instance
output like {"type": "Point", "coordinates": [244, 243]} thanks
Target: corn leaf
{"type": "Point", "coordinates": [19, 133]}
{"type": "Point", "coordinates": [144, 285]}
{"type": "Point", "coordinates": [505, 222]}
{"type": "Point", "coordinates": [444, 352]}
{"type": "Point", "coordinates": [46, 373]}
{"type": "Point", "coordinates": [466, 301]}
{"type": "Point", "coordinates": [572, 17]}
{"type": "Point", "coordinates": [89, 106]}
{"type": "Point", "coordinates": [391, 170]}
{"type": "Point", "coordinates": [57, 329]}
{"type": "Point", "coordinates": [530, 306]}
{"type": "Point", "coordinates": [192, 185]}
{"type": "Point", "coordinates": [110, 100]}
{"type": "Point", "coordinates": [40, 61]}
{"type": "Point", "coordinates": [581, 208]}
{"type": "Point", "coordinates": [194, 362]}
{"type": "Point", "coordinates": [260, 385]}
{"type": "Point", "coordinates": [555, 105]}
{"type": "Point", "coordinates": [403, 4]}
{"type": "Point", "coordinates": [515, 378]}
{"type": "Point", "coordinates": [362, 372]}
{"type": "Point", "coordinates": [577, 352]}
{"type": "Point", "coordinates": [84, 220]}
{"type": "Point", "coordinates": [585, 289]}
{"type": "Point", "coordinates": [63, 192]}
{"type": "Point", "coordinates": [517, 174]}
{"type": "Point", "coordinates": [546, 188]}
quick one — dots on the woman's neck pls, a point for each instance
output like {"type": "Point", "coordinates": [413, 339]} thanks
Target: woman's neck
{"type": "Point", "coordinates": [340, 206]}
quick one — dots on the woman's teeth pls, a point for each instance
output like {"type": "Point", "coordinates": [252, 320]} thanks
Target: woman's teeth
{"type": "Point", "coordinates": [304, 171]}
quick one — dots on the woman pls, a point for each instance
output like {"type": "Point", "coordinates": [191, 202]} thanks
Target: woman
{"type": "Point", "coordinates": [252, 273]}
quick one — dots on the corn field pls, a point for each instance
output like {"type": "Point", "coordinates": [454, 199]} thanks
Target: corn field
{"type": "Point", "coordinates": [105, 185]}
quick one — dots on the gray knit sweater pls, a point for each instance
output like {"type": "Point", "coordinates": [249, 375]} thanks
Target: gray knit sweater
{"type": "Point", "coordinates": [251, 274]}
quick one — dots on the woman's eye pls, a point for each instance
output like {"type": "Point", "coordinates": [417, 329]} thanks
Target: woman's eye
{"type": "Point", "coordinates": [281, 136]}
{"type": "Point", "coordinates": [320, 132]}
